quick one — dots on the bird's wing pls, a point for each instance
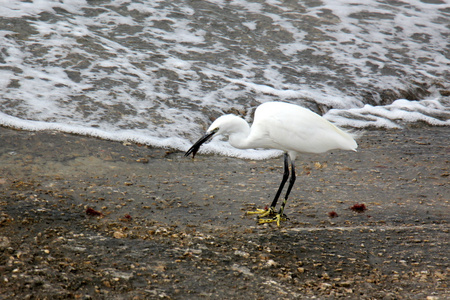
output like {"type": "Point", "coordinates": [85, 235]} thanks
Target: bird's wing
{"type": "Point", "coordinates": [293, 128]}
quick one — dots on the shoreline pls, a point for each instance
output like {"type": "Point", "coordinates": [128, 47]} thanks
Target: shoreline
{"type": "Point", "coordinates": [173, 227]}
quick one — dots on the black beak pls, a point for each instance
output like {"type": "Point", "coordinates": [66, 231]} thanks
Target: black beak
{"type": "Point", "coordinates": [197, 145]}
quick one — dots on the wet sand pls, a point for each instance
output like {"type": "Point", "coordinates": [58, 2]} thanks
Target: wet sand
{"type": "Point", "coordinates": [172, 227]}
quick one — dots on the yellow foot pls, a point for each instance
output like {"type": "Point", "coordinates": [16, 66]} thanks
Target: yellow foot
{"type": "Point", "coordinates": [278, 218]}
{"type": "Point", "coordinates": [262, 212]}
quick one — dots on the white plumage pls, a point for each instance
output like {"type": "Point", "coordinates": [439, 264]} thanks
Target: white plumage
{"type": "Point", "coordinates": [283, 126]}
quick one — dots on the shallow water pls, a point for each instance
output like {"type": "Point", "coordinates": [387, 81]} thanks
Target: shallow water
{"type": "Point", "coordinates": [158, 72]}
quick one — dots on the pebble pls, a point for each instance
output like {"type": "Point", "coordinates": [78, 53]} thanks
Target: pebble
{"type": "Point", "coordinates": [241, 269]}
{"type": "Point", "coordinates": [4, 242]}
{"type": "Point", "coordinates": [271, 263]}
{"type": "Point", "coordinates": [119, 235]}
{"type": "Point", "coordinates": [242, 254]}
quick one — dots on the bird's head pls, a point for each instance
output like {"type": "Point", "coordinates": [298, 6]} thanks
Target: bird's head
{"type": "Point", "coordinates": [223, 125]}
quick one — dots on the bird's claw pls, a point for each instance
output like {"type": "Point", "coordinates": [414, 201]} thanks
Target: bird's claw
{"type": "Point", "coordinates": [268, 215]}
{"type": "Point", "coordinates": [262, 212]}
{"type": "Point", "coordinates": [277, 218]}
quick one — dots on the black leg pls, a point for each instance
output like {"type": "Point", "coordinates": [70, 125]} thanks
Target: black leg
{"type": "Point", "coordinates": [291, 184]}
{"type": "Point", "coordinates": [283, 181]}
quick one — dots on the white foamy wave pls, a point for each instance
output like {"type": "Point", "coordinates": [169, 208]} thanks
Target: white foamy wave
{"type": "Point", "coordinates": [401, 39]}
{"type": "Point", "coordinates": [339, 102]}
{"type": "Point", "coordinates": [120, 135]}
{"type": "Point", "coordinates": [158, 72]}
{"type": "Point", "coordinates": [431, 112]}
{"type": "Point", "coordinates": [14, 9]}
{"type": "Point", "coordinates": [216, 146]}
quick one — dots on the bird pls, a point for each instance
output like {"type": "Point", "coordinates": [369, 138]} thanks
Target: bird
{"type": "Point", "coordinates": [288, 127]}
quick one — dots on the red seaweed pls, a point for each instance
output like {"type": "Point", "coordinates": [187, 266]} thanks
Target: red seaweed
{"type": "Point", "coordinates": [92, 212]}
{"type": "Point", "coordinates": [333, 214]}
{"type": "Point", "coordinates": [126, 218]}
{"type": "Point", "coordinates": [359, 208]}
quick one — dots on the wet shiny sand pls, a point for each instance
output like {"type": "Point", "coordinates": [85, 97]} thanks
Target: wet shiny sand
{"type": "Point", "coordinates": [173, 227]}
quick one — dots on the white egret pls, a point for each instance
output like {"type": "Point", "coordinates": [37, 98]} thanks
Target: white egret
{"type": "Point", "coordinates": [283, 126]}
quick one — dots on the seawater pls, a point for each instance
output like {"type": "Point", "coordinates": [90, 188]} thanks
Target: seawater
{"type": "Point", "coordinates": [158, 72]}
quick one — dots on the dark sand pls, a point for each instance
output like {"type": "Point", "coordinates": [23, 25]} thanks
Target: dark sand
{"type": "Point", "coordinates": [173, 227]}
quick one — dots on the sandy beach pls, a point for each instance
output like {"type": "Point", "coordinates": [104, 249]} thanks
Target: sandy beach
{"type": "Point", "coordinates": [92, 219]}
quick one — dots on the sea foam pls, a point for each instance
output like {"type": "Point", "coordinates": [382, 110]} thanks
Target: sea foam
{"type": "Point", "coordinates": [159, 72]}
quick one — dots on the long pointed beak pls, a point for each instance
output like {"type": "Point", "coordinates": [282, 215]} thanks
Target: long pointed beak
{"type": "Point", "coordinates": [197, 145]}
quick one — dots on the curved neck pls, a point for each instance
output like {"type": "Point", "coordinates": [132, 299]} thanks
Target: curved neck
{"type": "Point", "coordinates": [238, 137]}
